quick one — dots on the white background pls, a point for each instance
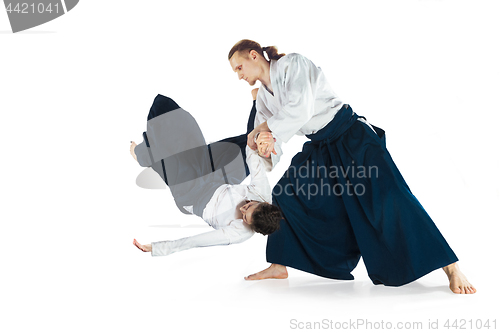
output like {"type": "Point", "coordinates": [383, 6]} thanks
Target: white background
{"type": "Point", "coordinates": [75, 91]}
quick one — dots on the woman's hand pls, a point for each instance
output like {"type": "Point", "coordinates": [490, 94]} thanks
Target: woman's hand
{"type": "Point", "coordinates": [132, 152]}
{"type": "Point", "coordinates": [265, 144]}
{"type": "Point", "coordinates": [143, 248]}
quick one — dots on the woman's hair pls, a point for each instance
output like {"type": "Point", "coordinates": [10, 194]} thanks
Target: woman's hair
{"type": "Point", "coordinates": [244, 47]}
{"type": "Point", "coordinates": [266, 219]}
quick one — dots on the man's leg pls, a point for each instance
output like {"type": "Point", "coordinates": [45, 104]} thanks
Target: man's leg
{"type": "Point", "coordinates": [398, 240]}
{"type": "Point", "coordinates": [315, 235]}
{"type": "Point", "coordinates": [177, 147]}
{"type": "Point", "coordinates": [458, 282]}
{"type": "Point", "coordinates": [219, 158]}
{"type": "Point", "coordinates": [275, 271]}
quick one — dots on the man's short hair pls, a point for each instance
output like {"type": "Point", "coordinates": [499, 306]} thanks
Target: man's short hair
{"type": "Point", "coordinates": [266, 218]}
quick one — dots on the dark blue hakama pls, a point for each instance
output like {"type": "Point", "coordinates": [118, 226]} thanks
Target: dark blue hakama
{"type": "Point", "coordinates": [343, 197]}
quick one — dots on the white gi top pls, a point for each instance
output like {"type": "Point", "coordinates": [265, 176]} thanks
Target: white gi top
{"type": "Point", "coordinates": [221, 212]}
{"type": "Point", "coordinates": [302, 101]}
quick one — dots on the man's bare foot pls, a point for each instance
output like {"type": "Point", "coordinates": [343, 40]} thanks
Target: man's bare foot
{"type": "Point", "coordinates": [274, 271]}
{"type": "Point", "coordinates": [143, 248]}
{"type": "Point", "coordinates": [254, 93]}
{"type": "Point", "coordinates": [132, 150]}
{"type": "Point", "coordinates": [458, 281]}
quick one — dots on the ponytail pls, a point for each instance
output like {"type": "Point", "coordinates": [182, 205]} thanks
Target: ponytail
{"type": "Point", "coordinates": [272, 52]}
{"type": "Point", "coordinates": [244, 47]}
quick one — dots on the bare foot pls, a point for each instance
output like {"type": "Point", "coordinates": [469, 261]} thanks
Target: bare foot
{"type": "Point", "coordinates": [458, 281]}
{"type": "Point", "coordinates": [143, 248]}
{"type": "Point", "coordinates": [274, 271]}
{"type": "Point", "coordinates": [132, 150]}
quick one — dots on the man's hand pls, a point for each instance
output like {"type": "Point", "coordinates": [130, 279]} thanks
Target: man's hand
{"type": "Point", "coordinates": [132, 152]}
{"type": "Point", "coordinates": [143, 248]}
{"type": "Point", "coordinates": [254, 93]}
{"type": "Point", "coordinates": [250, 138]}
{"type": "Point", "coordinates": [265, 144]}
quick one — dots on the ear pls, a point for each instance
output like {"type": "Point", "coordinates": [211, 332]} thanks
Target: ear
{"type": "Point", "coordinates": [253, 54]}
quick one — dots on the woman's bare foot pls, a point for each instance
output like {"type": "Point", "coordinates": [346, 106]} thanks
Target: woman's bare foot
{"type": "Point", "coordinates": [143, 248]}
{"type": "Point", "coordinates": [458, 281]}
{"type": "Point", "coordinates": [274, 271]}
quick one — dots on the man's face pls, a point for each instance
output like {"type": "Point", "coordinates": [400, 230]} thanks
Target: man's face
{"type": "Point", "coordinates": [247, 211]}
{"type": "Point", "coordinates": [245, 67]}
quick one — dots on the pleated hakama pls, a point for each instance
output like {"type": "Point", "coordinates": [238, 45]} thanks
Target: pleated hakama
{"type": "Point", "coordinates": [343, 197]}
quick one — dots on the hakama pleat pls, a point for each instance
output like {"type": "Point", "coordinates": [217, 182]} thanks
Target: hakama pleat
{"type": "Point", "coordinates": [343, 197]}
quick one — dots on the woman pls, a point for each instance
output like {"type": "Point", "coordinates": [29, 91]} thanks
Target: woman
{"type": "Point", "coordinates": [204, 179]}
{"type": "Point", "coordinates": [351, 201]}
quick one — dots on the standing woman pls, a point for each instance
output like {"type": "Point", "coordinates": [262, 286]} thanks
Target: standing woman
{"type": "Point", "coordinates": [342, 196]}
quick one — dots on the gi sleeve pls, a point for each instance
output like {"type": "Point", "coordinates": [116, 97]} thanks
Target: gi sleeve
{"type": "Point", "coordinates": [298, 98]}
{"type": "Point", "coordinates": [235, 233]}
{"type": "Point", "coordinates": [259, 182]}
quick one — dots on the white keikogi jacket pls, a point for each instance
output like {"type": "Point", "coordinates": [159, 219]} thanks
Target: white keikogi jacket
{"type": "Point", "coordinates": [221, 211]}
{"type": "Point", "coordinates": [302, 101]}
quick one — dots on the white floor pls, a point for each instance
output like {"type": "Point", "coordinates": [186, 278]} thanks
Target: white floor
{"type": "Point", "coordinates": [75, 91]}
{"type": "Point", "coordinates": [94, 279]}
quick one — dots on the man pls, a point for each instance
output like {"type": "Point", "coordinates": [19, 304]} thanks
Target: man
{"type": "Point", "coordinates": [326, 234]}
{"type": "Point", "coordinates": [204, 179]}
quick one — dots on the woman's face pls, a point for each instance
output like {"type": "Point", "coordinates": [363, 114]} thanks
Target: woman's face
{"type": "Point", "coordinates": [246, 67]}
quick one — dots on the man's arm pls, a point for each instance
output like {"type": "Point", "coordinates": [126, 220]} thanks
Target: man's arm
{"type": "Point", "coordinates": [261, 127]}
{"type": "Point", "coordinates": [259, 181]}
{"type": "Point", "coordinates": [298, 105]}
{"type": "Point", "coordinates": [235, 233]}
{"type": "Point", "coordinates": [270, 151]}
